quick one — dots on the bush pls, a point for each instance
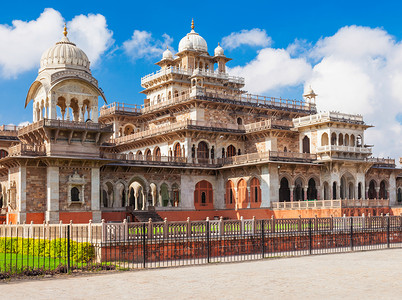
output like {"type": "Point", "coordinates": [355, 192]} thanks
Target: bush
{"type": "Point", "coordinates": [57, 248]}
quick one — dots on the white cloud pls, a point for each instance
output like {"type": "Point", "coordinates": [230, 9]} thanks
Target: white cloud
{"type": "Point", "coordinates": [273, 69]}
{"type": "Point", "coordinates": [253, 37]}
{"type": "Point", "coordinates": [357, 70]}
{"type": "Point", "coordinates": [143, 45]}
{"type": "Point", "coordinates": [91, 34]}
{"type": "Point", "coordinates": [22, 44]}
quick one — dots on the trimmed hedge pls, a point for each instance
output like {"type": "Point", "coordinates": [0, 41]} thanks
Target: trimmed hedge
{"type": "Point", "coordinates": [79, 252]}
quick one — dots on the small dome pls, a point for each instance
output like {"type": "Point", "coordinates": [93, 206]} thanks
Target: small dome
{"type": "Point", "coordinates": [219, 51]}
{"type": "Point", "coordinates": [197, 41]}
{"type": "Point", "coordinates": [64, 54]}
{"type": "Point", "coordinates": [185, 44]}
{"type": "Point", "coordinates": [167, 54]}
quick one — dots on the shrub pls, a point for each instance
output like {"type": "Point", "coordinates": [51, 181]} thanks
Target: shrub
{"type": "Point", "coordinates": [57, 248]}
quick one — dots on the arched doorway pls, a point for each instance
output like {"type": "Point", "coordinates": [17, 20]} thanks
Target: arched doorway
{"type": "Point", "coordinates": [203, 195]}
{"type": "Point", "coordinates": [326, 191]}
{"type": "Point", "coordinates": [399, 198]}
{"type": "Point", "coordinates": [306, 144]}
{"type": "Point", "coordinates": [202, 152]}
{"type": "Point", "coordinates": [231, 151]}
{"type": "Point", "coordinates": [298, 193]}
{"type": "Point", "coordinates": [255, 193]}
{"type": "Point", "coordinates": [324, 139]}
{"type": "Point", "coordinates": [383, 190]}
{"type": "Point", "coordinates": [284, 191]}
{"type": "Point", "coordinates": [157, 153]}
{"type": "Point", "coordinates": [3, 153]}
{"type": "Point", "coordinates": [176, 195]}
{"type": "Point", "coordinates": [148, 155]}
{"type": "Point", "coordinates": [359, 191]}
{"type": "Point", "coordinates": [311, 190]}
{"type": "Point", "coordinates": [242, 194]}
{"type": "Point", "coordinates": [164, 194]}
{"type": "Point", "coordinates": [230, 194]}
{"type": "Point", "coordinates": [333, 138]}
{"type": "Point", "coordinates": [334, 188]}
{"type": "Point", "coordinates": [177, 150]}
{"type": "Point", "coordinates": [372, 193]}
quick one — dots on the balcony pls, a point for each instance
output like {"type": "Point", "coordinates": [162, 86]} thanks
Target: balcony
{"type": "Point", "coordinates": [346, 149]}
{"type": "Point", "coordinates": [63, 124]}
{"type": "Point", "coordinates": [27, 150]}
{"type": "Point", "coordinates": [382, 162]}
{"type": "Point", "coordinates": [268, 156]}
{"type": "Point", "coordinates": [327, 117]}
{"type": "Point", "coordinates": [189, 72]}
{"type": "Point", "coordinates": [120, 108]}
{"type": "Point", "coordinates": [328, 204]}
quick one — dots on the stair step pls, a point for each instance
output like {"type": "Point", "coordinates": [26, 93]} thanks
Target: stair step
{"type": "Point", "coordinates": [144, 216]}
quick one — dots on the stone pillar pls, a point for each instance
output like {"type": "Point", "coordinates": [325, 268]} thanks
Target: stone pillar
{"type": "Point", "coordinates": [94, 114]}
{"type": "Point", "coordinates": [95, 200]}
{"type": "Point", "coordinates": [377, 192]}
{"type": "Point", "coordinates": [305, 192]}
{"type": "Point", "coordinates": [68, 109]}
{"type": "Point", "coordinates": [115, 129]}
{"type": "Point", "coordinates": [52, 205]}
{"type": "Point", "coordinates": [52, 106]}
{"type": "Point", "coordinates": [22, 194]}
{"type": "Point", "coordinates": [292, 188]}
{"type": "Point", "coordinates": [46, 113]}
{"type": "Point", "coordinates": [392, 190]}
{"type": "Point", "coordinates": [269, 185]}
{"type": "Point", "coordinates": [338, 191]}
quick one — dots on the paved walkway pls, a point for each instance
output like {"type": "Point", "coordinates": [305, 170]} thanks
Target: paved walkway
{"type": "Point", "coordinates": [360, 275]}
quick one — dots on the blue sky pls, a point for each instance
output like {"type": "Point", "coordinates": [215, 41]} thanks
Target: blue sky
{"type": "Point", "coordinates": [307, 39]}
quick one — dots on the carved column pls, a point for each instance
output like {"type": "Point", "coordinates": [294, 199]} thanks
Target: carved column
{"type": "Point", "coordinates": [68, 109]}
{"type": "Point", "coordinates": [292, 188]}
{"type": "Point", "coordinates": [52, 207]}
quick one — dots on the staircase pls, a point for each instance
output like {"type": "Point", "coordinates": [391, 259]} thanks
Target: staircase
{"type": "Point", "coordinates": [145, 215]}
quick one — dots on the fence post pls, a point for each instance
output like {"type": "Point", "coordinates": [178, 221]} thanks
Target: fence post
{"type": "Point", "coordinates": [90, 231]}
{"type": "Point", "coordinates": [221, 227]}
{"type": "Point", "coordinates": [208, 246]}
{"type": "Point", "coordinates": [242, 225]}
{"type": "Point", "coordinates": [125, 224]}
{"type": "Point", "coordinates": [300, 224]}
{"type": "Point", "coordinates": [262, 238]}
{"type": "Point", "coordinates": [253, 227]}
{"type": "Point", "coordinates": [310, 242]}
{"type": "Point", "coordinates": [144, 246]}
{"type": "Point", "coordinates": [188, 227]}
{"type": "Point", "coordinates": [351, 233]}
{"type": "Point", "coordinates": [273, 223]}
{"type": "Point", "coordinates": [165, 228]}
{"type": "Point", "coordinates": [332, 223]}
{"type": "Point", "coordinates": [388, 229]}
{"type": "Point", "coordinates": [68, 248]}
{"type": "Point", "coordinates": [150, 231]}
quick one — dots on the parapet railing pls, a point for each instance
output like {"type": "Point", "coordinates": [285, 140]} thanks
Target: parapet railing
{"type": "Point", "coordinates": [9, 130]}
{"type": "Point", "coordinates": [27, 150]}
{"type": "Point", "coordinates": [65, 124]}
{"type": "Point", "coordinates": [328, 116]}
{"type": "Point", "coordinates": [344, 149]}
{"type": "Point", "coordinates": [338, 203]}
{"type": "Point", "coordinates": [382, 161]}
{"type": "Point", "coordinates": [120, 107]}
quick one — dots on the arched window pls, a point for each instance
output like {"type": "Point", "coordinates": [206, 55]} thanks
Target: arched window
{"type": "Point", "coordinates": [148, 155]}
{"type": "Point", "coordinates": [311, 190]}
{"type": "Point", "coordinates": [255, 193]}
{"type": "Point", "coordinates": [157, 153]}
{"type": "Point", "coordinates": [230, 194]}
{"type": "Point", "coordinates": [239, 121]}
{"type": "Point", "coordinates": [400, 195]}
{"type": "Point", "coordinates": [128, 130]}
{"type": "Point", "coordinates": [223, 152]}
{"type": "Point", "coordinates": [164, 194]}
{"type": "Point", "coordinates": [284, 191]}
{"type": "Point", "coordinates": [231, 151]}
{"type": "Point", "coordinates": [139, 155]}
{"type": "Point", "coordinates": [383, 190]}
{"type": "Point", "coordinates": [285, 149]}
{"type": "Point", "coordinates": [176, 195]}
{"type": "Point", "coordinates": [298, 192]}
{"type": "Point", "coordinates": [372, 193]}
{"type": "Point", "coordinates": [242, 194]}
{"type": "Point", "coordinates": [75, 194]}
{"type": "Point", "coordinates": [326, 191]}
{"type": "Point", "coordinates": [352, 140]}
{"type": "Point", "coordinates": [333, 138]}
{"type": "Point", "coordinates": [177, 150]}
{"type": "Point", "coordinates": [203, 195]}
{"type": "Point", "coordinates": [202, 152]}
{"type": "Point", "coordinates": [359, 142]}
{"type": "Point", "coordinates": [169, 95]}
{"type": "Point", "coordinates": [340, 140]}
{"type": "Point", "coordinates": [3, 153]}
{"type": "Point", "coordinates": [359, 191]}
{"type": "Point", "coordinates": [334, 187]}
{"type": "Point", "coordinates": [324, 139]}
{"type": "Point", "coordinates": [176, 93]}
{"type": "Point", "coordinates": [347, 140]}
{"type": "Point", "coordinates": [306, 144]}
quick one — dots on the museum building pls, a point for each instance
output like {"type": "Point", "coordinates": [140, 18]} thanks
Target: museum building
{"type": "Point", "coordinates": [200, 146]}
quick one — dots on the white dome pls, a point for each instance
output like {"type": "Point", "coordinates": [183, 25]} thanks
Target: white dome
{"type": "Point", "coordinates": [197, 41]}
{"type": "Point", "coordinates": [167, 54]}
{"type": "Point", "coordinates": [219, 51]}
{"type": "Point", "coordinates": [64, 54]}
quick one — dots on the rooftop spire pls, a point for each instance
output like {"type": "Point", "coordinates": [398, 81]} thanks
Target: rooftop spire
{"type": "Point", "coordinates": [192, 24]}
{"type": "Point", "coordinates": [65, 30]}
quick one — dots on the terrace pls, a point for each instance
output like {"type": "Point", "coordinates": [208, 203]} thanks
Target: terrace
{"type": "Point", "coordinates": [327, 117]}
{"type": "Point", "coordinates": [27, 150]}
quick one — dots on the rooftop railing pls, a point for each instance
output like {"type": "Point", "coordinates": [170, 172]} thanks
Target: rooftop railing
{"type": "Point", "coordinates": [9, 130]}
{"type": "Point", "coordinates": [190, 72]}
{"type": "Point", "coordinates": [328, 116]}
{"type": "Point", "coordinates": [120, 107]}
{"type": "Point", "coordinates": [338, 148]}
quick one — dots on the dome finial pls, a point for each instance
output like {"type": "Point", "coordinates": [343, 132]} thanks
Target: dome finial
{"type": "Point", "coordinates": [65, 30]}
{"type": "Point", "coordinates": [192, 24]}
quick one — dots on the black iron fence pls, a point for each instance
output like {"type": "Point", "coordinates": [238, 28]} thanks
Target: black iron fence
{"type": "Point", "coordinates": [65, 247]}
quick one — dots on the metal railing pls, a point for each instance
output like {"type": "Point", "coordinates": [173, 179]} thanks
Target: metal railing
{"type": "Point", "coordinates": [65, 247]}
